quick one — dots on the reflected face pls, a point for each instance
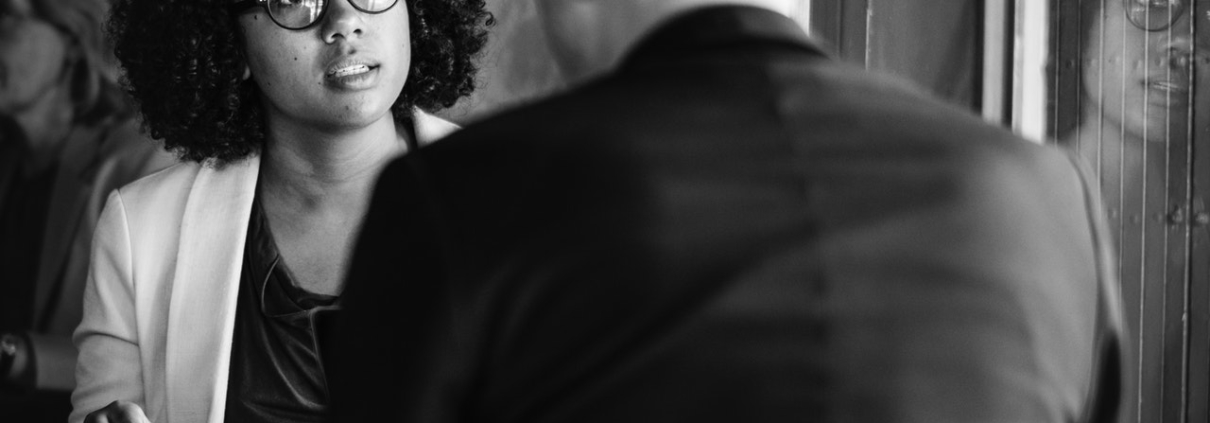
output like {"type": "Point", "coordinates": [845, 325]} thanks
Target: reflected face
{"type": "Point", "coordinates": [1139, 80]}
{"type": "Point", "coordinates": [32, 55]}
{"type": "Point", "coordinates": [345, 71]}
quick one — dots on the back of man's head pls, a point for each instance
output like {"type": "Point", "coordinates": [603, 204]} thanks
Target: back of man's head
{"type": "Point", "coordinates": [589, 37]}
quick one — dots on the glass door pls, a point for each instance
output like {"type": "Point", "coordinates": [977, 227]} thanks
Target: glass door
{"type": "Point", "coordinates": [1126, 94]}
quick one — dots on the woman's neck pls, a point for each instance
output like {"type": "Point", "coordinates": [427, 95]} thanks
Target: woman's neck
{"type": "Point", "coordinates": [315, 187]}
{"type": "Point", "coordinates": [1123, 161]}
{"type": "Point", "coordinates": [307, 169]}
{"type": "Point", "coordinates": [1097, 136]}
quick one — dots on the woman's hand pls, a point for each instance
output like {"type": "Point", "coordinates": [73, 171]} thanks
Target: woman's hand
{"type": "Point", "coordinates": [118, 412]}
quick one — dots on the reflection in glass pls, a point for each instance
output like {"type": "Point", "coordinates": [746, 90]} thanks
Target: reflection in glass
{"type": "Point", "coordinates": [1136, 83]}
{"type": "Point", "coordinates": [1129, 78]}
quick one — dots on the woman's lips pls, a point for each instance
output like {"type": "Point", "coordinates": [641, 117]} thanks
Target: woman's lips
{"type": "Point", "coordinates": [348, 70]}
{"type": "Point", "coordinates": [353, 77]}
{"type": "Point", "coordinates": [1165, 85]}
{"type": "Point", "coordinates": [1167, 91]}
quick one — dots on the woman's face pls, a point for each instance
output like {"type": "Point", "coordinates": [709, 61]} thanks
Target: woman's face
{"type": "Point", "coordinates": [1140, 80]}
{"type": "Point", "coordinates": [32, 54]}
{"type": "Point", "coordinates": [344, 71]}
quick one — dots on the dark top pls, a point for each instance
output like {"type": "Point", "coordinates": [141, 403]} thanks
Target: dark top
{"type": "Point", "coordinates": [24, 204]}
{"type": "Point", "coordinates": [730, 227]}
{"type": "Point", "coordinates": [276, 372]}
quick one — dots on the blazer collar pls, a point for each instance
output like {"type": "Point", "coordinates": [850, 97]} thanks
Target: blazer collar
{"type": "Point", "coordinates": [429, 128]}
{"type": "Point", "coordinates": [201, 317]}
{"type": "Point", "coordinates": [708, 28]}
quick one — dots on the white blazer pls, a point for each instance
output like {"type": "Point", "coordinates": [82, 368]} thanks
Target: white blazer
{"type": "Point", "coordinates": [159, 306]}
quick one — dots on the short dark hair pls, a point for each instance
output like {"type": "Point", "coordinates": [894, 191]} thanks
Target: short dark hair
{"type": "Point", "coordinates": [184, 65]}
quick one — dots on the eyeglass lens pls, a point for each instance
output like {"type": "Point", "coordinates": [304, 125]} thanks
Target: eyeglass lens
{"type": "Point", "coordinates": [298, 14]}
{"type": "Point", "coordinates": [295, 14]}
{"type": "Point", "coordinates": [1154, 15]}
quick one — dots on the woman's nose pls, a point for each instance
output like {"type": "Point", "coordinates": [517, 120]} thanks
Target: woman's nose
{"type": "Point", "coordinates": [1179, 41]}
{"type": "Point", "coordinates": [1172, 48]}
{"type": "Point", "coordinates": [343, 21]}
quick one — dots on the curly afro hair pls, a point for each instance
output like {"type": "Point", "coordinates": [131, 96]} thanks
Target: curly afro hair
{"type": "Point", "coordinates": [183, 63]}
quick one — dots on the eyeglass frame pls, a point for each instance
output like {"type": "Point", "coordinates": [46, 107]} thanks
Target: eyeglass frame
{"type": "Point", "coordinates": [242, 6]}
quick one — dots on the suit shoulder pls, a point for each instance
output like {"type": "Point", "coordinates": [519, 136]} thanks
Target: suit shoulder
{"type": "Point", "coordinates": [1018, 159]}
{"type": "Point", "coordinates": [537, 122]}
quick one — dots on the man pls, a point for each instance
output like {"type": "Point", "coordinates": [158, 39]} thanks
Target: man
{"type": "Point", "coordinates": [721, 223]}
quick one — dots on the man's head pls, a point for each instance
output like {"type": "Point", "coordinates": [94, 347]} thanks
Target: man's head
{"type": "Point", "coordinates": [589, 37]}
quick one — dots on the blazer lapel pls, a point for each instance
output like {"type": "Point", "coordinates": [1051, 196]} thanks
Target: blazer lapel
{"type": "Point", "coordinates": [429, 128]}
{"type": "Point", "coordinates": [202, 309]}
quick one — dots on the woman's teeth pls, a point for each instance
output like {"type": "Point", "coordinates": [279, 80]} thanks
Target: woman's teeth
{"type": "Point", "coordinates": [1167, 86]}
{"type": "Point", "coordinates": [351, 70]}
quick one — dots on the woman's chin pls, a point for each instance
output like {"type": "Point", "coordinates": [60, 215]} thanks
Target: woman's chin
{"type": "Point", "coordinates": [1164, 128]}
{"type": "Point", "coordinates": [353, 116]}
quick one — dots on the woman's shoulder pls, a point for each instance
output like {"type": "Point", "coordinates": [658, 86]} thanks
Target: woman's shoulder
{"type": "Point", "coordinates": [159, 186]}
{"type": "Point", "coordinates": [171, 188]}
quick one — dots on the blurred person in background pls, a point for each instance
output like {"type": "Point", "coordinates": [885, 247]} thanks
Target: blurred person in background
{"type": "Point", "coordinates": [67, 139]}
{"type": "Point", "coordinates": [1132, 93]}
{"type": "Point", "coordinates": [720, 223]}
{"type": "Point", "coordinates": [211, 280]}
{"type": "Point", "coordinates": [1137, 79]}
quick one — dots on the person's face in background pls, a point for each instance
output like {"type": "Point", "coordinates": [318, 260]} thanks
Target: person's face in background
{"type": "Point", "coordinates": [345, 71]}
{"type": "Point", "coordinates": [1140, 81]}
{"type": "Point", "coordinates": [32, 56]}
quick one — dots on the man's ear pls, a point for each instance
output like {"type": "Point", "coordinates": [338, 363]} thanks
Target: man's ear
{"type": "Point", "coordinates": [247, 72]}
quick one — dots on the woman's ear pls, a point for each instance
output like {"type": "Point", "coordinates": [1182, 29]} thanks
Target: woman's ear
{"type": "Point", "coordinates": [247, 72]}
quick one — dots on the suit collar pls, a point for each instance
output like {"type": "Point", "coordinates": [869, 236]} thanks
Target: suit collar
{"type": "Point", "coordinates": [710, 28]}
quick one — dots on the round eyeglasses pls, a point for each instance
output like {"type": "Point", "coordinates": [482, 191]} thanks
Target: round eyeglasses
{"type": "Point", "coordinates": [301, 14]}
{"type": "Point", "coordinates": [1154, 15]}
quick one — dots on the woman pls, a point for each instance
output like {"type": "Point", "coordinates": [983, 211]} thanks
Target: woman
{"type": "Point", "coordinates": [66, 141]}
{"type": "Point", "coordinates": [1142, 78]}
{"type": "Point", "coordinates": [1137, 77]}
{"type": "Point", "coordinates": [208, 277]}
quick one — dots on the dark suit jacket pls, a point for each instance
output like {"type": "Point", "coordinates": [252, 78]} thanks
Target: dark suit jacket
{"type": "Point", "coordinates": [731, 227]}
